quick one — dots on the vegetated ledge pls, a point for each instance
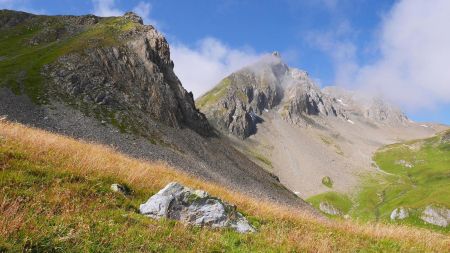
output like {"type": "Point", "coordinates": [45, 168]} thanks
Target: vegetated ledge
{"type": "Point", "coordinates": [55, 195]}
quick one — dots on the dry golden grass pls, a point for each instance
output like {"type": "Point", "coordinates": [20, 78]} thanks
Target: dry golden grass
{"type": "Point", "coordinates": [288, 228]}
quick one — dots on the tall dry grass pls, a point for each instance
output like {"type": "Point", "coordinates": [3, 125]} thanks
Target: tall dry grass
{"type": "Point", "coordinates": [295, 226]}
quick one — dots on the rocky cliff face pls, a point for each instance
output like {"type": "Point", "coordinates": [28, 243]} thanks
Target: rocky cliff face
{"type": "Point", "coordinates": [114, 68]}
{"type": "Point", "coordinates": [237, 103]}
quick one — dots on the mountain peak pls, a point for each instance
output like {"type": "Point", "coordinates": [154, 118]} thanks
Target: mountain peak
{"type": "Point", "coordinates": [133, 17]}
{"type": "Point", "coordinates": [247, 94]}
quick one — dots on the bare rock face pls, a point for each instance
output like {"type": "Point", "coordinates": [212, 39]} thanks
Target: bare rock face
{"type": "Point", "coordinates": [130, 83]}
{"type": "Point", "coordinates": [194, 207]}
{"type": "Point", "coordinates": [439, 216]}
{"type": "Point", "coordinates": [399, 213]}
{"type": "Point", "coordinates": [236, 105]}
{"type": "Point", "coordinates": [246, 94]}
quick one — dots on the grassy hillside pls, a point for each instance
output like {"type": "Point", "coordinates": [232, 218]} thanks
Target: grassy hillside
{"type": "Point", "coordinates": [414, 175]}
{"type": "Point", "coordinates": [55, 197]}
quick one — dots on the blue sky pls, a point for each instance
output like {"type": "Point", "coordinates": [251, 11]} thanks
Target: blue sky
{"type": "Point", "coordinates": [361, 44]}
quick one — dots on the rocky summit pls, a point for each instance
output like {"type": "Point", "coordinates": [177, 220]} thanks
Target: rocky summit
{"type": "Point", "coordinates": [236, 104]}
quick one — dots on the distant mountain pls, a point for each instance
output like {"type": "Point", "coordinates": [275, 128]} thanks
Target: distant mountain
{"type": "Point", "coordinates": [304, 134]}
{"type": "Point", "coordinates": [236, 103]}
{"type": "Point", "coordinates": [111, 80]}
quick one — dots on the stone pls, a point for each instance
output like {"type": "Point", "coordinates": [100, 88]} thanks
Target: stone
{"type": "Point", "coordinates": [439, 216]}
{"type": "Point", "coordinates": [446, 137]}
{"type": "Point", "coordinates": [405, 164]}
{"type": "Point", "coordinates": [329, 209]}
{"type": "Point", "coordinates": [194, 207]}
{"type": "Point", "coordinates": [120, 188]}
{"type": "Point", "coordinates": [133, 17]}
{"type": "Point", "coordinates": [399, 213]}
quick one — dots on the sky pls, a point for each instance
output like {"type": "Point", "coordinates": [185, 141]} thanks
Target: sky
{"type": "Point", "coordinates": [398, 49]}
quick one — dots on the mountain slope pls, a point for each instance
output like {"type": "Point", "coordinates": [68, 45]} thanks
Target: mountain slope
{"type": "Point", "coordinates": [300, 132]}
{"type": "Point", "coordinates": [413, 176]}
{"type": "Point", "coordinates": [55, 197]}
{"type": "Point", "coordinates": [111, 81]}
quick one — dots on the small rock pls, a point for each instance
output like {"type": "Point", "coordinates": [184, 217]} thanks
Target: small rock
{"type": "Point", "coordinates": [404, 164]}
{"type": "Point", "coordinates": [400, 213]}
{"type": "Point", "coordinates": [194, 207]}
{"type": "Point", "coordinates": [446, 137]}
{"type": "Point", "coordinates": [329, 209]}
{"type": "Point", "coordinates": [120, 188]}
{"type": "Point", "coordinates": [439, 216]}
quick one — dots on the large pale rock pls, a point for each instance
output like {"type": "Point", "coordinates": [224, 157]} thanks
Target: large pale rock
{"type": "Point", "coordinates": [194, 207]}
{"type": "Point", "coordinates": [399, 213]}
{"type": "Point", "coordinates": [439, 216]}
{"type": "Point", "coordinates": [329, 209]}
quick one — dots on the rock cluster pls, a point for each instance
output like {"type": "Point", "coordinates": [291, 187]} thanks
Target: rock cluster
{"type": "Point", "coordinates": [405, 164]}
{"type": "Point", "coordinates": [329, 209]}
{"type": "Point", "coordinates": [194, 207]}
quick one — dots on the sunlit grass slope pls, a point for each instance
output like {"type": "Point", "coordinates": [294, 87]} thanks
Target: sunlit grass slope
{"type": "Point", "coordinates": [415, 174]}
{"type": "Point", "coordinates": [55, 197]}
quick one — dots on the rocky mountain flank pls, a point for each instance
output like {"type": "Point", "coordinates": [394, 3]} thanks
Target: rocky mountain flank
{"type": "Point", "coordinates": [111, 80]}
{"type": "Point", "coordinates": [238, 101]}
{"type": "Point", "coordinates": [303, 134]}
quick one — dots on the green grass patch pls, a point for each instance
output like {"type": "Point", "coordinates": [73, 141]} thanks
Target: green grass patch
{"type": "Point", "coordinates": [419, 176]}
{"type": "Point", "coordinates": [213, 95]}
{"type": "Point", "coordinates": [338, 200]}
{"type": "Point", "coordinates": [327, 182]}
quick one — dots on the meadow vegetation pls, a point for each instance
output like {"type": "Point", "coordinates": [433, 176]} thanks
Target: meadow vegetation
{"type": "Point", "coordinates": [414, 174]}
{"type": "Point", "coordinates": [55, 197]}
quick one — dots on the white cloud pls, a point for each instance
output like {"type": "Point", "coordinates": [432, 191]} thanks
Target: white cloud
{"type": "Point", "coordinates": [200, 68]}
{"type": "Point", "coordinates": [143, 9]}
{"type": "Point", "coordinates": [414, 57]}
{"type": "Point", "coordinates": [106, 8]}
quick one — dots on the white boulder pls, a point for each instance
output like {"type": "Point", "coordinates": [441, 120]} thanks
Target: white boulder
{"type": "Point", "coordinates": [194, 207]}
{"type": "Point", "coordinates": [400, 213]}
{"type": "Point", "coordinates": [439, 216]}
